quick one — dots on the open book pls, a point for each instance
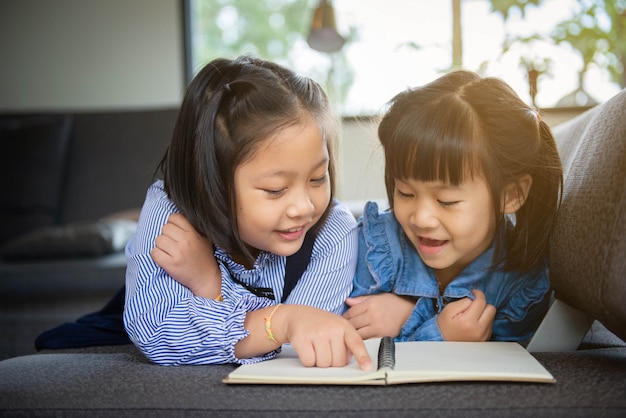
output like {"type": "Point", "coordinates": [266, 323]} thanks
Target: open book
{"type": "Point", "coordinates": [405, 362]}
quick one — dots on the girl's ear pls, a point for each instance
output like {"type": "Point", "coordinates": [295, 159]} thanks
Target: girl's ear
{"type": "Point", "coordinates": [515, 194]}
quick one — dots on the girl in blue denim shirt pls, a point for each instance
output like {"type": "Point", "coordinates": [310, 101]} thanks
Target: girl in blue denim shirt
{"type": "Point", "coordinates": [474, 180]}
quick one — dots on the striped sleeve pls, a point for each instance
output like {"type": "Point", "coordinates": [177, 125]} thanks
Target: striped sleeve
{"type": "Point", "coordinates": [163, 318]}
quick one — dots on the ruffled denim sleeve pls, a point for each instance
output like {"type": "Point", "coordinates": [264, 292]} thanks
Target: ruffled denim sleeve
{"type": "Point", "coordinates": [519, 316]}
{"type": "Point", "coordinates": [380, 254]}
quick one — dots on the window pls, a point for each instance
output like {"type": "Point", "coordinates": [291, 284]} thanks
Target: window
{"type": "Point", "coordinates": [394, 44]}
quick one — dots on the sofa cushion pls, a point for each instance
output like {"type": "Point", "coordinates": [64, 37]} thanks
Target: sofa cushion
{"type": "Point", "coordinates": [79, 239]}
{"type": "Point", "coordinates": [119, 381]}
{"type": "Point", "coordinates": [588, 251]}
{"type": "Point", "coordinates": [32, 162]}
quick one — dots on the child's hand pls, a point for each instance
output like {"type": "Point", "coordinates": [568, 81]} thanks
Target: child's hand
{"type": "Point", "coordinates": [378, 315]}
{"type": "Point", "coordinates": [320, 338]}
{"type": "Point", "coordinates": [188, 257]}
{"type": "Point", "coordinates": [466, 319]}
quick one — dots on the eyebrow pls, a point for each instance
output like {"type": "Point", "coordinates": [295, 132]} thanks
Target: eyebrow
{"type": "Point", "coordinates": [286, 173]}
{"type": "Point", "coordinates": [440, 186]}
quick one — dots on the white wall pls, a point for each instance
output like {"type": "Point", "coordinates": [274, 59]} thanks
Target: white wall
{"type": "Point", "coordinates": [90, 54]}
{"type": "Point", "coordinates": [361, 163]}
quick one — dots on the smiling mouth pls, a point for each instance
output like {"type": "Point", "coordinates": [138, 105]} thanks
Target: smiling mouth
{"type": "Point", "coordinates": [292, 230]}
{"type": "Point", "coordinates": [427, 242]}
{"type": "Point", "coordinates": [428, 247]}
{"type": "Point", "coordinates": [292, 234]}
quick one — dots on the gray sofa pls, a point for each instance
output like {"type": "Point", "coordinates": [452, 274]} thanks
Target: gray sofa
{"type": "Point", "coordinates": [70, 185]}
{"type": "Point", "coordinates": [65, 170]}
{"type": "Point", "coordinates": [588, 266]}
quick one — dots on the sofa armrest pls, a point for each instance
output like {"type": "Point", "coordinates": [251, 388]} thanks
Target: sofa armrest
{"type": "Point", "coordinates": [62, 278]}
{"type": "Point", "coordinates": [588, 250]}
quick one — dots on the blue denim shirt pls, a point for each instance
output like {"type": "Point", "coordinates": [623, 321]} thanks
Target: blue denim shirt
{"type": "Point", "coordinates": [388, 262]}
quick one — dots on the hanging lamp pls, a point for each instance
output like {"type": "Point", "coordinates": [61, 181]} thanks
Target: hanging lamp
{"type": "Point", "coordinates": [323, 36]}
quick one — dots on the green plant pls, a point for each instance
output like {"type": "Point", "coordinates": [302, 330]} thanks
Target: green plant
{"type": "Point", "coordinates": [596, 30]}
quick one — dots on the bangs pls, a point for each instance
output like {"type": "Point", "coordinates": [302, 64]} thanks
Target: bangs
{"type": "Point", "coordinates": [434, 146]}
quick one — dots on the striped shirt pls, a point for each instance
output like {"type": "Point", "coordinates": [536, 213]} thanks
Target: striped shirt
{"type": "Point", "coordinates": [172, 326]}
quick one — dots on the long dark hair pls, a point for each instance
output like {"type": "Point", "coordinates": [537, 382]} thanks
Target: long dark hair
{"type": "Point", "coordinates": [462, 124]}
{"type": "Point", "coordinates": [229, 107]}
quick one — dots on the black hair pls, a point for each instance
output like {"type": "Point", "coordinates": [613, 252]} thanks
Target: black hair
{"type": "Point", "coordinates": [228, 108]}
{"type": "Point", "coordinates": [463, 125]}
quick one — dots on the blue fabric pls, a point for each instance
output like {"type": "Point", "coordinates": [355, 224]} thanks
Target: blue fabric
{"type": "Point", "coordinates": [104, 327]}
{"type": "Point", "coordinates": [388, 262]}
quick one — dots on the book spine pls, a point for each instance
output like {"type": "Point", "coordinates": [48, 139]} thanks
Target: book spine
{"type": "Point", "coordinates": [386, 353]}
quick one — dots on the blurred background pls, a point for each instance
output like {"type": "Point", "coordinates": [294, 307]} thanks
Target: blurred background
{"type": "Point", "coordinates": [571, 51]}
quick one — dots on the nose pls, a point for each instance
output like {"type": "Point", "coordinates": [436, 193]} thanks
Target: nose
{"type": "Point", "coordinates": [301, 205]}
{"type": "Point", "coordinates": [424, 216]}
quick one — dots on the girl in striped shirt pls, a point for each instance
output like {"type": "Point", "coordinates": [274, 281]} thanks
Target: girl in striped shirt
{"type": "Point", "coordinates": [250, 171]}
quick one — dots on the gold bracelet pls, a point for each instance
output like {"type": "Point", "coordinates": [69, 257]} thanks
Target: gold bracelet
{"type": "Point", "coordinates": [268, 325]}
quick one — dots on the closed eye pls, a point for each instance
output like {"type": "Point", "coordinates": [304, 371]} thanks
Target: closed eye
{"type": "Point", "coordinates": [403, 195]}
{"type": "Point", "coordinates": [320, 181]}
{"type": "Point", "coordinates": [447, 204]}
{"type": "Point", "coordinates": [275, 193]}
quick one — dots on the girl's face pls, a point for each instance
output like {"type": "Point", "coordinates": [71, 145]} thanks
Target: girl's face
{"type": "Point", "coordinates": [283, 190]}
{"type": "Point", "coordinates": [448, 225]}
